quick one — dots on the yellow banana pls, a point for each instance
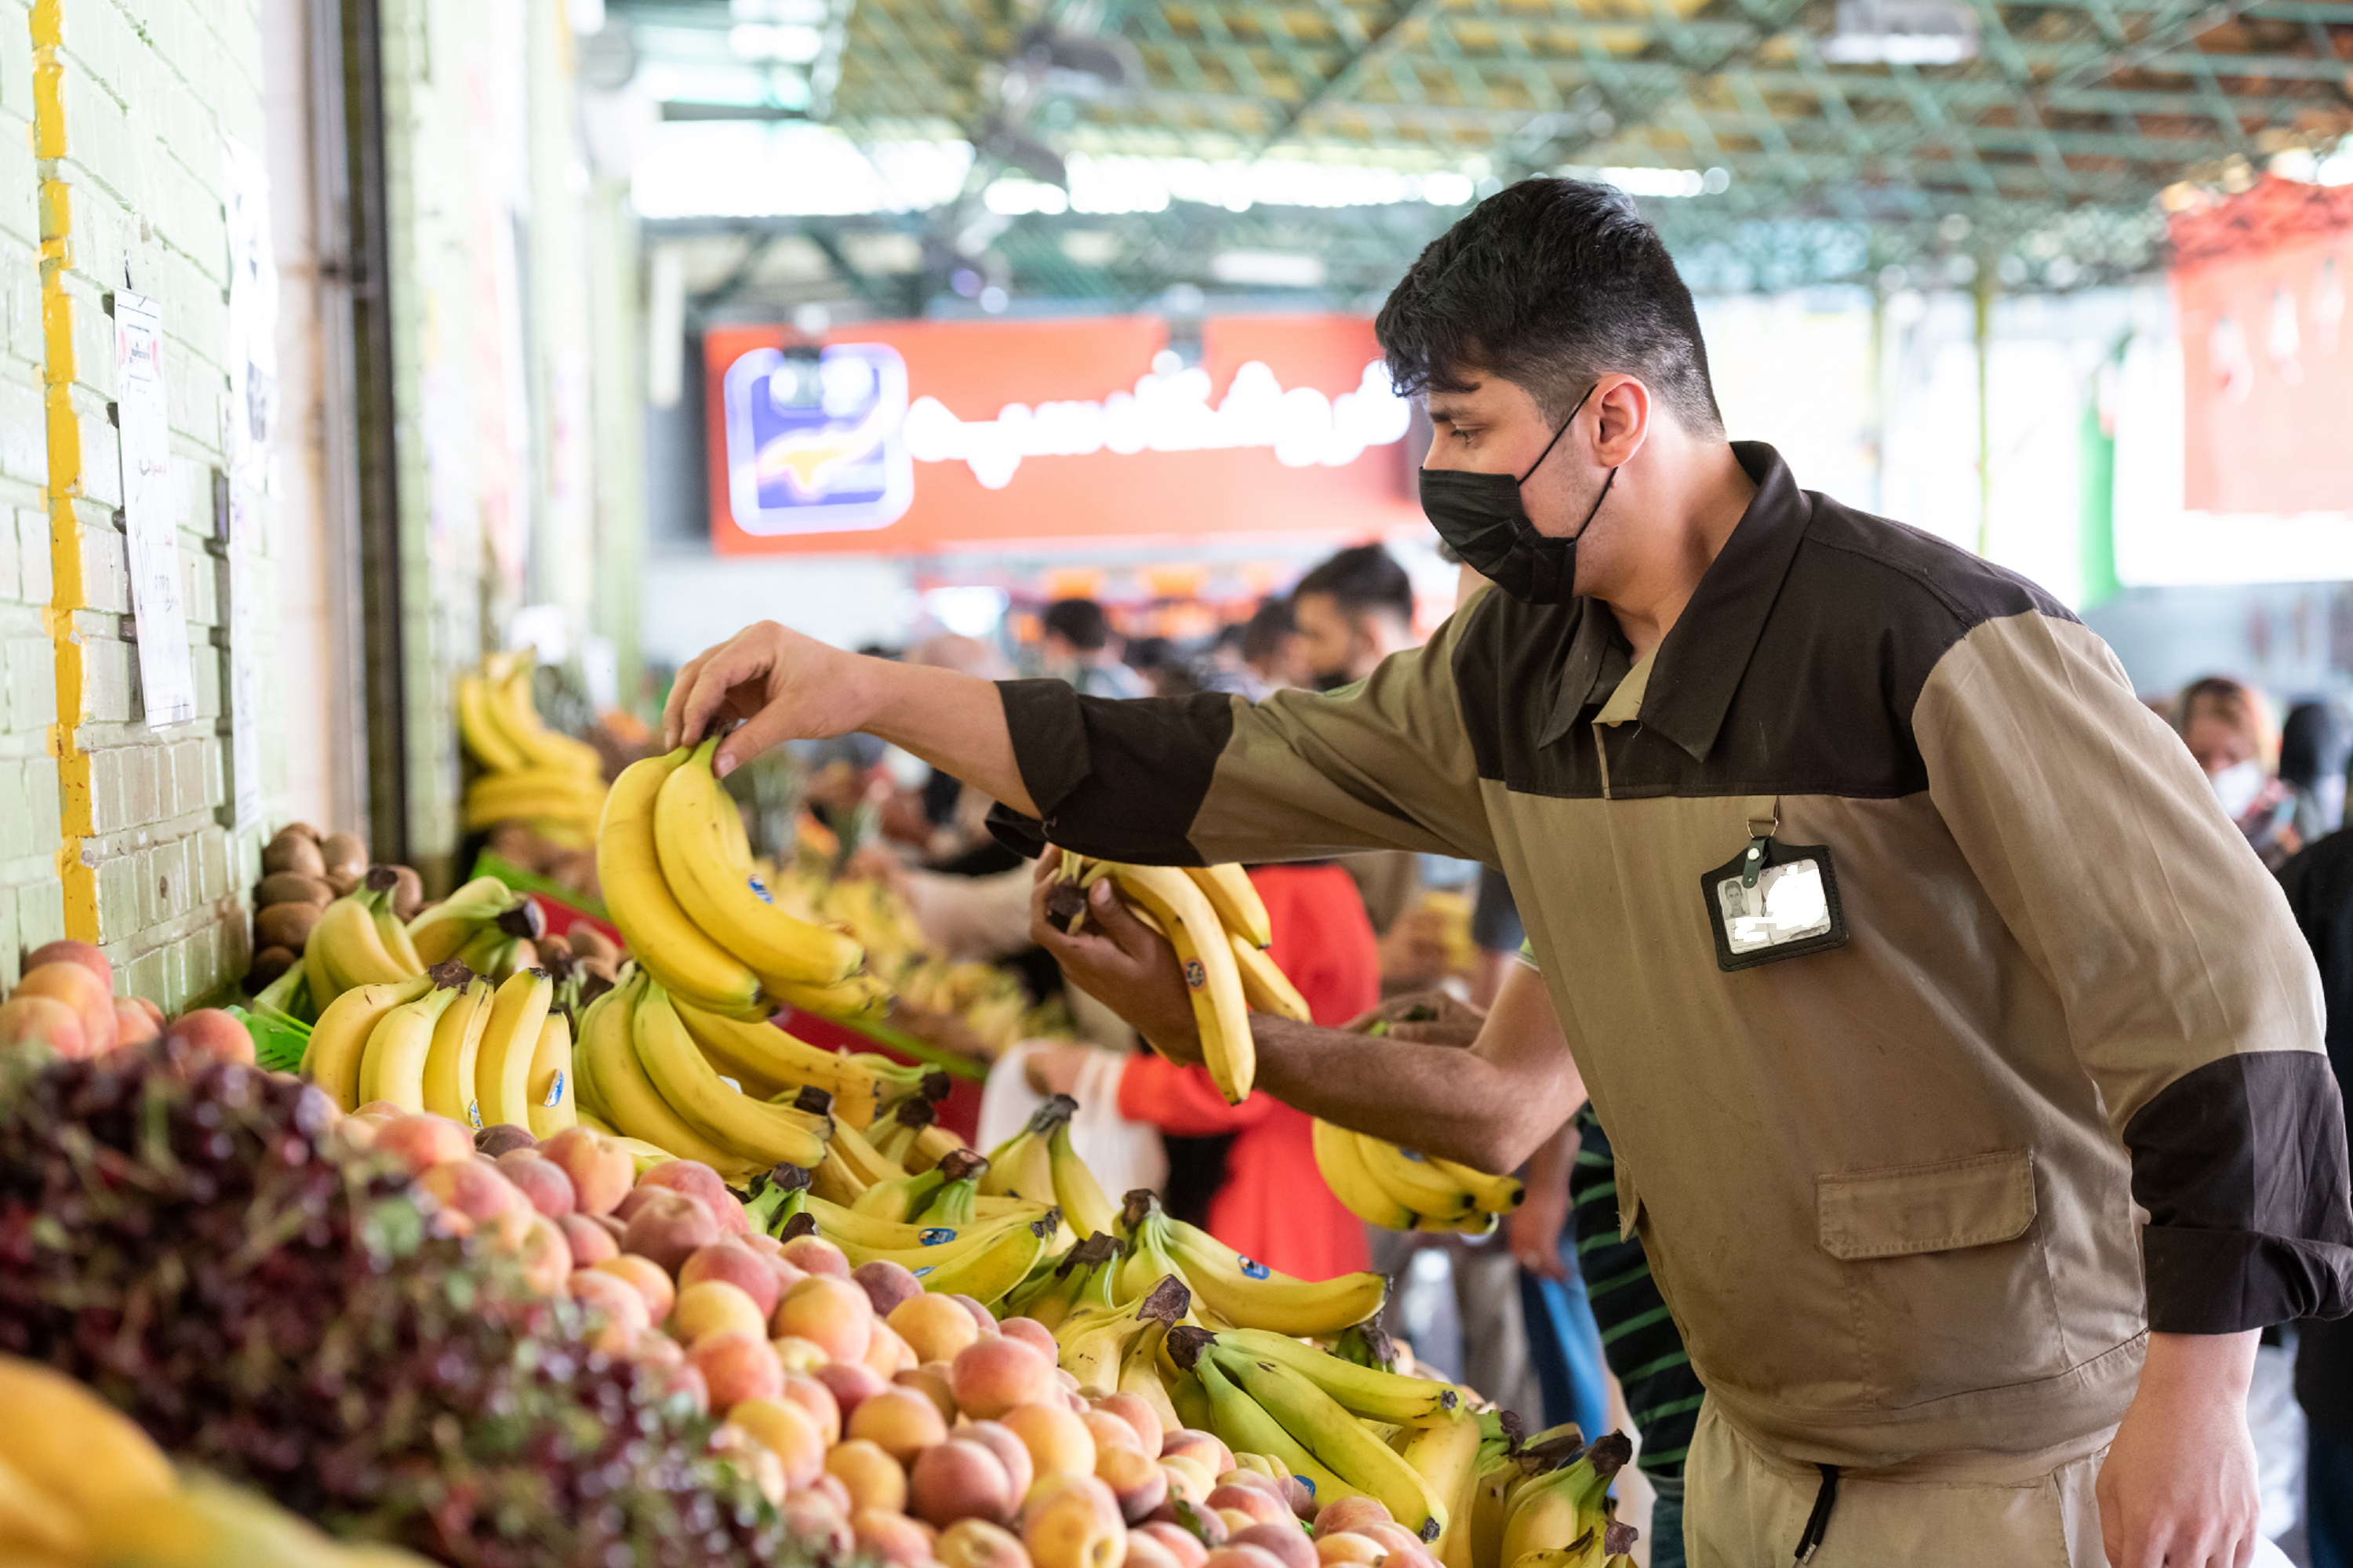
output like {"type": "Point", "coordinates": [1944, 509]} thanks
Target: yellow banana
{"type": "Point", "coordinates": [345, 949]}
{"type": "Point", "coordinates": [760, 1049]}
{"type": "Point", "coordinates": [480, 730]}
{"type": "Point", "coordinates": [541, 746]}
{"type": "Point", "coordinates": [1076, 1192]}
{"type": "Point", "coordinates": [502, 1076]}
{"type": "Point", "coordinates": [631, 1102]}
{"type": "Point", "coordinates": [339, 1039]}
{"type": "Point", "coordinates": [1413, 1181]}
{"type": "Point", "coordinates": [394, 1067]}
{"type": "Point", "coordinates": [1490, 1195]}
{"type": "Point", "coordinates": [724, 898]}
{"type": "Point", "coordinates": [850, 1001]}
{"type": "Point", "coordinates": [395, 938]}
{"type": "Point", "coordinates": [72, 1447]}
{"type": "Point", "coordinates": [663, 940]}
{"type": "Point", "coordinates": [1558, 1510]}
{"type": "Point", "coordinates": [1371, 1393]}
{"type": "Point", "coordinates": [36, 1529]}
{"type": "Point", "coordinates": [848, 1227]}
{"type": "Point", "coordinates": [1238, 906]}
{"type": "Point", "coordinates": [1444, 1451]}
{"type": "Point", "coordinates": [1023, 1165]}
{"type": "Point", "coordinates": [1344, 1445]}
{"type": "Point", "coordinates": [758, 1132]}
{"type": "Point", "coordinates": [1249, 1294]}
{"type": "Point", "coordinates": [1264, 985]}
{"type": "Point", "coordinates": [1343, 1168]}
{"type": "Point", "coordinates": [983, 1262]}
{"type": "Point", "coordinates": [859, 1156]}
{"type": "Point", "coordinates": [438, 932]}
{"type": "Point", "coordinates": [450, 1062]}
{"type": "Point", "coordinates": [1212, 979]}
{"type": "Point", "coordinates": [551, 1089]}
{"type": "Point", "coordinates": [1243, 1425]}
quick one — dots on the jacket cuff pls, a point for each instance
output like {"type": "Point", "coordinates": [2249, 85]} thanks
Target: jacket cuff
{"type": "Point", "coordinates": [1050, 740]}
{"type": "Point", "coordinates": [2225, 1282]}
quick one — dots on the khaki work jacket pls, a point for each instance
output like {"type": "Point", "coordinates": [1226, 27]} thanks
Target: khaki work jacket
{"type": "Point", "coordinates": [1888, 1189]}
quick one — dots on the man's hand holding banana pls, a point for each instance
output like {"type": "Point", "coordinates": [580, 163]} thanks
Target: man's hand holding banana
{"type": "Point", "coordinates": [1120, 961]}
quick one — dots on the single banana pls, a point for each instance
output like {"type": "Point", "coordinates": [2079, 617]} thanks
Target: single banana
{"type": "Point", "coordinates": [1413, 1181]}
{"type": "Point", "coordinates": [984, 1262]}
{"type": "Point", "coordinates": [1249, 1294]}
{"type": "Point", "coordinates": [847, 1227]}
{"type": "Point", "coordinates": [760, 1133]}
{"type": "Point", "coordinates": [394, 1067]}
{"type": "Point", "coordinates": [1444, 1451]}
{"type": "Point", "coordinates": [1243, 1425]}
{"type": "Point", "coordinates": [1344, 1445]}
{"type": "Point", "coordinates": [72, 1447]}
{"type": "Point", "coordinates": [755, 1049]}
{"type": "Point", "coordinates": [1343, 1168]}
{"type": "Point", "coordinates": [1490, 1195]}
{"type": "Point", "coordinates": [1140, 1374]}
{"type": "Point", "coordinates": [36, 1530]}
{"type": "Point", "coordinates": [1231, 894]}
{"type": "Point", "coordinates": [438, 932]}
{"type": "Point", "coordinates": [551, 1089]}
{"type": "Point", "coordinates": [1076, 1192]}
{"type": "Point", "coordinates": [900, 1199]}
{"type": "Point", "coordinates": [1212, 979]}
{"type": "Point", "coordinates": [345, 951]}
{"type": "Point", "coordinates": [859, 997]}
{"type": "Point", "coordinates": [339, 1039]}
{"type": "Point", "coordinates": [588, 1106]}
{"type": "Point", "coordinates": [480, 730]}
{"type": "Point", "coordinates": [868, 1166]}
{"type": "Point", "coordinates": [395, 938]}
{"type": "Point", "coordinates": [457, 1043]}
{"type": "Point", "coordinates": [631, 1103]}
{"type": "Point", "coordinates": [1023, 1165]}
{"type": "Point", "coordinates": [502, 1076]}
{"type": "Point", "coordinates": [1366, 1391]}
{"type": "Point", "coordinates": [662, 940]}
{"type": "Point", "coordinates": [724, 898]}
{"type": "Point", "coordinates": [833, 1180]}
{"type": "Point", "coordinates": [1264, 985]}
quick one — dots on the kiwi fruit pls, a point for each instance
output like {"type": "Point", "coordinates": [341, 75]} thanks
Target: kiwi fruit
{"type": "Point", "coordinates": [286, 925]}
{"type": "Point", "coordinates": [290, 851]}
{"type": "Point", "coordinates": [291, 887]}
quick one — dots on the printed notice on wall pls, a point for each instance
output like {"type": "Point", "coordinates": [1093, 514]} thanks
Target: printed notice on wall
{"type": "Point", "coordinates": [167, 682]}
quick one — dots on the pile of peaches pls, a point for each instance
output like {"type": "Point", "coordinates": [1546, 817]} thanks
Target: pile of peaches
{"type": "Point", "coordinates": [880, 1419]}
{"type": "Point", "coordinates": [66, 1001]}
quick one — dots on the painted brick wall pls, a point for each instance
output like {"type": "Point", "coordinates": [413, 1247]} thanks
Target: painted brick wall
{"type": "Point", "coordinates": [131, 103]}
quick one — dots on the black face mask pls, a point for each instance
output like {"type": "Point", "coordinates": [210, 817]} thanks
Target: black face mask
{"type": "Point", "coordinates": [1481, 515]}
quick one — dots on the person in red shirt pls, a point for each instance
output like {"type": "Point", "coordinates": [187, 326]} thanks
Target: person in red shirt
{"type": "Point", "coordinates": [1273, 1205]}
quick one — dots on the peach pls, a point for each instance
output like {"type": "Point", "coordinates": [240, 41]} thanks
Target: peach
{"type": "Point", "coordinates": [1076, 1524]}
{"type": "Point", "coordinates": [1032, 1333]}
{"type": "Point", "coordinates": [1139, 1484]}
{"type": "Point", "coordinates": [789, 1432]}
{"type": "Point", "coordinates": [994, 1375]}
{"type": "Point", "coordinates": [713, 1305]}
{"type": "Point", "coordinates": [813, 1521]}
{"type": "Point", "coordinates": [1208, 1528]}
{"type": "Point", "coordinates": [976, 1543]}
{"type": "Point", "coordinates": [503, 1138]}
{"type": "Point", "coordinates": [543, 1182]}
{"type": "Point", "coordinates": [1137, 1412]}
{"type": "Point", "coordinates": [873, 1478]}
{"type": "Point", "coordinates": [1260, 1502]}
{"type": "Point", "coordinates": [545, 1257]}
{"type": "Point", "coordinates": [959, 1479]}
{"type": "Point", "coordinates": [1110, 1431]}
{"type": "Point", "coordinates": [901, 1422]}
{"type": "Point", "coordinates": [621, 1309]}
{"type": "Point", "coordinates": [1188, 1479]}
{"type": "Point", "coordinates": [43, 1020]}
{"type": "Point", "coordinates": [65, 951]}
{"type": "Point", "coordinates": [132, 1025]}
{"type": "Point", "coordinates": [590, 1242]}
{"type": "Point", "coordinates": [1347, 1547]}
{"type": "Point", "coordinates": [752, 1459]}
{"type": "Point", "coordinates": [1285, 1540]}
{"type": "Point", "coordinates": [818, 1401]}
{"type": "Point", "coordinates": [600, 1170]}
{"type": "Point", "coordinates": [1010, 1451]}
{"type": "Point", "coordinates": [654, 1348]}
{"type": "Point", "coordinates": [931, 1380]}
{"type": "Point", "coordinates": [1191, 1442]}
{"type": "Point", "coordinates": [982, 1318]}
{"type": "Point", "coordinates": [481, 1195]}
{"type": "Point", "coordinates": [831, 1486]}
{"type": "Point", "coordinates": [92, 1002]}
{"type": "Point", "coordinates": [815, 1254]}
{"type": "Point", "coordinates": [886, 1283]}
{"type": "Point", "coordinates": [1180, 1542]}
{"type": "Point", "coordinates": [681, 1382]}
{"type": "Point", "coordinates": [738, 1366]}
{"type": "Point", "coordinates": [1231, 1556]}
{"type": "Point", "coordinates": [935, 1327]}
{"type": "Point", "coordinates": [647, 1279]}
{"type": "Point", "coordinates": [1251, 1470]}
{"type": "Point", "coordinates": [1398, 1540]}
{"type": "Point", "coordinates": [1147, 1552]}
{"type": "Point", "coordinates": [887, 1354]}
{"type": "Point", "coordinates": [700, 1182]}
{"type": "Point", "coordinates": [1345, 1514]}
{"type": "Point", "coordinates": [891, 1537]}
{"type": "Point", "coordinates": [1057, 1441]}
{"type": "Point", "coordinates": [731, 1260]}
{"type": "Point", "coordinates": [850, 1384]}
{"type": "Point", "coordinates": [830, 1311]}
{"type": "Point", "coordinates": [785, 1274]}
{"type": "Point", "coordinates": [800, 1356]}
{"type": "Point", "coordinates": [208, 1032]}
{"type": "Point", "coordinates": [668, 1228]}
{"type": "Point", "coordinates": [422, 1140]}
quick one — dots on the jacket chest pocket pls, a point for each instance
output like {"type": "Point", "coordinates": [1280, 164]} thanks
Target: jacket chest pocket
{"type": "Point", "coordinates": [1948, 1282]}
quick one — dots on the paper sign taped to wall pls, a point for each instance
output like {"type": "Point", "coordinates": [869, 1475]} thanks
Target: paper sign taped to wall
{"type": "Point", "coordinates": [167, 682]}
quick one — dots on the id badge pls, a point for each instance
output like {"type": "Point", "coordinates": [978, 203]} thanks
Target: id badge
{"type": "Point", "coordinates": [1773, 901]}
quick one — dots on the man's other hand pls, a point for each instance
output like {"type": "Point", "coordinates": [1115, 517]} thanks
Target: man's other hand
{"type": "Point", "coordinates": [2179, 1487]}
{"type": "Point", "coordinates": [1121, 962]}
{"type": "Point", "coordinates": [1056, 1069]}
{"type": "Point", "coordinates": [783, 686]}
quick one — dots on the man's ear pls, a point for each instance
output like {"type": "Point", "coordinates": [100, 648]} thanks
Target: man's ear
{"type": "Point", "coordinates": [1623, 421]}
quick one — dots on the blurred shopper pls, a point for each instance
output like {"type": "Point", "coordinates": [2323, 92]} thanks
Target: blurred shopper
{"type": "Point", "coordinates": [2227, 725]}
{"type": "Point", "coordinates": [1076, 645]}
{"type": "Point", "coordinates": [1353, 610]}
{"type": "Point", "coordinates": [2313, 747]}
{"type": "Point", "coordinates": [1272, 1203]}
{"type": "Point", "coordinates": [1270, 648]}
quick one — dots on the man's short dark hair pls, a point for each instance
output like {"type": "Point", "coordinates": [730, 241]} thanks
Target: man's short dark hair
{"type": "Point", "coordinates": [1550, 284]}
{"type": "Point", "coordinates": [1269, 623]}
{"type": "Point", "coordinates": [1363, 579]}
{"type": "Point", "coordinates": [1080, 622]}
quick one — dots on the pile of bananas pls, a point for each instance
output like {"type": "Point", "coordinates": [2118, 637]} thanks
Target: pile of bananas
{"type": "Point", "coordinates": [359, 939]}
{"type": "Point", "coordinates": [450, 1042]}
{"type": "Point", "coordinates": [678, 876]}
{"type": "Point", "coordinates": [82, 1487]}
{"type": "Point", "coordinates": [530, 772]}
{"type": "Point", "coordinates": [1527, 1499]}
{"type": "Point", "coordinates": [1398, 1190]}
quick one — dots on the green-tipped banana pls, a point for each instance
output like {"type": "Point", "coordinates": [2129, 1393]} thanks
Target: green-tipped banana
{"type": "Point", "coordinates": [983, 1263]}
{"type": "Point", "coordinates": [1248, 1294]}
{"type": "Point", "coordinates": [1363, 1391]}
{"type": "Point", "coordinates": [961, 1174]}
{"type": "Point", "coordinates": [900, 1199]}
{"type": "Point", "coordinates": [1242, 1424]}
{"type": "Point", "coordinates": [1344, 1444]}
{"type": "Point", "coordinates": [762, 1134]}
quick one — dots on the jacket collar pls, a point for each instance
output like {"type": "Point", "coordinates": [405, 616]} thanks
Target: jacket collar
{"type": "Point", "coordinates": [1706, 652]}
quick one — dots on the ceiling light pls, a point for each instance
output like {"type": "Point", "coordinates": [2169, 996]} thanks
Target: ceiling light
{"type": "Point", "coordinates": [789, 42]}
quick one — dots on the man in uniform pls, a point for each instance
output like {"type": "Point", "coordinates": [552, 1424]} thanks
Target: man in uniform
{"type": "Point", "coordinates": [1904, 953]}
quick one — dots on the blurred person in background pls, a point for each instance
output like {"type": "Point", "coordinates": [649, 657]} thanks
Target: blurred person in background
{"type": "Point", "coordinates": [2313, 747]}
{"type": "Point", "coordinates": [1247, 1173]}
{"type": "Point", "coordinates": [2227, 725]}
{"type": "Point", "coordinates": [1270, 650]}
{"type": "Point", "coordinates": [1076, 646]}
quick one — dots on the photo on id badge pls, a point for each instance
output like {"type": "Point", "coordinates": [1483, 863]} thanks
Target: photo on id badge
{"type": "Point", "coordinates": [1773, 901]}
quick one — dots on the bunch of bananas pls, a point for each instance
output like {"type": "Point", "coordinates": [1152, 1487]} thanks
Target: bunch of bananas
{"type": "Point", "coordinates": [358, 941]}
{"type": "Point", "coordinates": [486, 925]}
{"type": "Point", "coordinates": [82, 1487]}
{"type": "Point", "coordinates": [679, 879]}
{"type": "Point", "coordinates": [450, 1042]}
{"type": "Point", "coordinates": [1546, 1503]}
{"type": "Point", "coordinates": [530, 772]}
{"type": "Point", "coordinates": [1214, 919]}
{"type": "Point", "coordinates": [1398, 1190]}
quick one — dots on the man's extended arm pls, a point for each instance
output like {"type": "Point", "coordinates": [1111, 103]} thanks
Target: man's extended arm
{"type": "Point", "coordinates": [1488, 1106]}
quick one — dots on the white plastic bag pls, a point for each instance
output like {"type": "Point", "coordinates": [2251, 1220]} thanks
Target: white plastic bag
{"type": "Point", "coordinates": [1123, 1154]}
